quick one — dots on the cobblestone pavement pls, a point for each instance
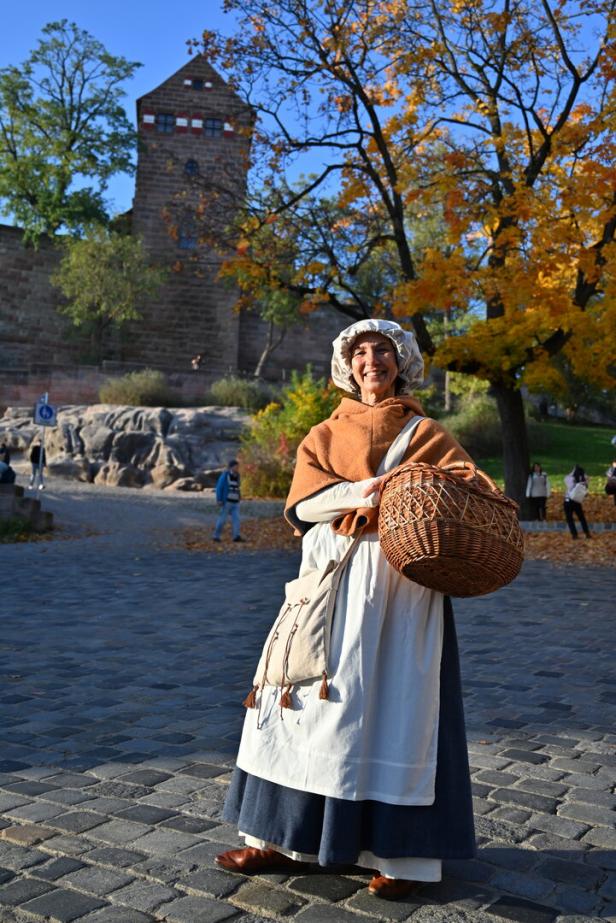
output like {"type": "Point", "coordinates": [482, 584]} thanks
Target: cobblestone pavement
{"type": "Point", "coordinates": [122, 666]}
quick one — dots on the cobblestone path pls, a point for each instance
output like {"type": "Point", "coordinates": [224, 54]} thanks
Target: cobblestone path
{"type": "Point", "coordinates": [122, 666]}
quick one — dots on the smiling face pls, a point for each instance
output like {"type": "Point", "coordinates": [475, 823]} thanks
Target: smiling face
{"type": "Point", "coordinates": [375, 367]}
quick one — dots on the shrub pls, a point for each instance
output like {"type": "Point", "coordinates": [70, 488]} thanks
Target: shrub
{"type": "Point", "coordinates": [16, 530]}
{"type": "Point", "coordinates": [477, 427]}
{"type": "Point", "coordinates": [148, 388]}
{"type": "Point", "coordinates": [233, 391]}
{"type": "Point", "coordinates": [269, 446]}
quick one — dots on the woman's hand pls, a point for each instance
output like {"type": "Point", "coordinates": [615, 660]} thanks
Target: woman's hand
{"type": "Point", "coordinates": [372, 486]}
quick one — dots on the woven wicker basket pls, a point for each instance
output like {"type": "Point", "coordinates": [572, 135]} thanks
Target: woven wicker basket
{"type": "Point", "coordinates": [455, 535]}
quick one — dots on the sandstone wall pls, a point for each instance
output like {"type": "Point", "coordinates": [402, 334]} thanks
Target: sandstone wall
{"type": "Point", "coordinates": [193, 312]}
{"type": "Point", "coordinates": [31, 330]}
{"type": "Point", "coordinates": [309, 342]}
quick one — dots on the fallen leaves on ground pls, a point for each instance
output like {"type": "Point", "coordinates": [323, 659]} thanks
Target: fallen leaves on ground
{"type": "Point", "coordinates": [597, 508]}
{"type": "Point", "coordinates": [266, 534]}
{"type": "Point", "coordinates": [273, 534]}
{"type": "Point", "coordinates": [560, 548]}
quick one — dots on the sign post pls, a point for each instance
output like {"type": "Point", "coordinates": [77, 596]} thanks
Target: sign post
{"type": "Point", "coordinates": [44, 415]}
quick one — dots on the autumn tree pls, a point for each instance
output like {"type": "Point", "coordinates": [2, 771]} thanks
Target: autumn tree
{"type": "Point", "coordinates": [63, 131]}
{"type": "Point", "coordinates": [484, 111]}
{"type": "Point", "coordinates": [105, 278]}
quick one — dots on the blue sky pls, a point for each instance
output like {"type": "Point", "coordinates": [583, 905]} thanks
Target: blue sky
{"type": "Point", "coordinates": [153, 32]}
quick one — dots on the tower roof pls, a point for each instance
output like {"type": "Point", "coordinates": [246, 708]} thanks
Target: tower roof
{"type": "Point", "coordinates": [197, 79]}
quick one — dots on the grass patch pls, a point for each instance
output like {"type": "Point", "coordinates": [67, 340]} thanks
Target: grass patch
{"type": "Point", "coordinates": [17, 530]}
{"type": "Point", "coordinates": [561, 446]}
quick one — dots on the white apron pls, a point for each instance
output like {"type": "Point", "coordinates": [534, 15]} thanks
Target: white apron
{"type": "Point", "coordinates": [376, 736]}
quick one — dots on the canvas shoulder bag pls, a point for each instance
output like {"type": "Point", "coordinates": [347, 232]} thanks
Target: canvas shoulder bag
{"type": "Point", "coordinates": [578, 492]}
{"type": "Point", "coordinates": [297, 647]}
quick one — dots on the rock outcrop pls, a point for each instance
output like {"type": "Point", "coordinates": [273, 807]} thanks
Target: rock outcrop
{"type": "Point", "coordinates": [181, 449]}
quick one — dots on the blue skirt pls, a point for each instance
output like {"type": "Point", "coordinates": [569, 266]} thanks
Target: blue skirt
{"type": "Point", "coordinates": [338, 830]}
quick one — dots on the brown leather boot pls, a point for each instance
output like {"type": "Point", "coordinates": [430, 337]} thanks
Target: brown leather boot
{"type": "Point", "coordinates": [250, 860]}
{"type": "Point", "coordinates": [391, 889]}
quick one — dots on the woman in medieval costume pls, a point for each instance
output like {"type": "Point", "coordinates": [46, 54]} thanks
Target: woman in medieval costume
{"type": "Point", "coordinates": [377, 775]}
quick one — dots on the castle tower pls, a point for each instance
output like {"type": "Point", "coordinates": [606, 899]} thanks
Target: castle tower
{"type": "Point", "coordinates": [192, 126]}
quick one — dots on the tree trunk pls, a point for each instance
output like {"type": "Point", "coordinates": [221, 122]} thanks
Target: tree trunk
{"type": "Point", "coordinates": [268, 349]}
{"type": "Point", "coordinates": [516, 457]}
{"type": "Point", "coordinates": [448, 402]}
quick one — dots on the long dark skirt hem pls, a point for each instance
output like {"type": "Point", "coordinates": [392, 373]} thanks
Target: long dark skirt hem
{"type": "Point", "coordinates": [337, 830]}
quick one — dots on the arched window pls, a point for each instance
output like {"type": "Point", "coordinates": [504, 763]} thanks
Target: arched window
{"type": "Point", "coordinates": [212, 128]}
{"type": "Point", "coordinates": [191, 168]}
{"type": "Point", "coordinates": [187, 238]}
{"type": "Point", "coordinates": [187, 232]}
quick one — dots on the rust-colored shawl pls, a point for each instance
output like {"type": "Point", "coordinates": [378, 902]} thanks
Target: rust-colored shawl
{"type": "Point", "coordinates": [350, 445]}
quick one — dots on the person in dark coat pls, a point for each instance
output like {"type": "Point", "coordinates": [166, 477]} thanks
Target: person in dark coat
{"type": "Point", "coordinates": [38, 460]}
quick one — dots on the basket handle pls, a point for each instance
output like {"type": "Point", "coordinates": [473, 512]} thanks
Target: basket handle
{"type": "Point", "coordinates": [477, 472]}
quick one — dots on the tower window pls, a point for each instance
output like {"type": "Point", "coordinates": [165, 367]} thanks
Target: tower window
{"type": "Point", "coordinates": [165, 123]}
{"type": "Point", "coordinates": [212, 128]}
{"type": "Point", "coordinates": [197, 83]}
{"type": "Point", "coordinates": [187, 239]}
{"type": "Point", "coordinates": [191, 168]}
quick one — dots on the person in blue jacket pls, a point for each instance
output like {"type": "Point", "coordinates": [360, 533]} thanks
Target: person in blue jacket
{"type": "Point", "coordinates": [228, 498]}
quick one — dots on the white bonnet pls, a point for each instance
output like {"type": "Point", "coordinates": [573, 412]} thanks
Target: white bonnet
{"type": "Point", "coordinates": [410, 362]}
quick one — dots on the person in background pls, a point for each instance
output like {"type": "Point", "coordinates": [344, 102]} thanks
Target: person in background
{"type": "Point", "coordinates": [7, 475]}
{"type": "Point", "coordinates": [576, 484]}
{"type": "Point", "coordinates": [538, 491]}
{"type": "Point", "coordinates": [38, 461]}
{"type": "Point", "coordinates": [610, 487]}
{"type": "Point", "coordinates": [5, 453]}
{"type": "Point", "coordinates": [228, 498]}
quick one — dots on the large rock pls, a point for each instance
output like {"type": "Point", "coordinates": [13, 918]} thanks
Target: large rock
{"type": "Point", "coordinates": [116, 475]}
{"type": "Point", "coordinates": [73, 468]}
{"type": "Point", "coordinates": [133, 446]}
{"type": "Point", "coordinates": [97, 440]}
{"type": "Point", "coordinates": [190, 484]}
{"type": "Point", "coordinates": [163, 475]}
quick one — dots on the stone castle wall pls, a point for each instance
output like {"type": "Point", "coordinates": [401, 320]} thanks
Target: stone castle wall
{"type": "Point", "coordinates": [307, 343]}
{"type": "Point", "coordinates": [31, 330]}
{"type": "Point", "coordinates": [191, 127]}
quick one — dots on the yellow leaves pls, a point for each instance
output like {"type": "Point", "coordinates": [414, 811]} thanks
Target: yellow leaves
{"type": "Point", "coordinates": [444, 283]}
{"type": "Point", "coordinates": [343, 102]}
{"type": "Point", "coordinates": [312, 302]}
{"type": "Point", "coordinates": [314, 268]}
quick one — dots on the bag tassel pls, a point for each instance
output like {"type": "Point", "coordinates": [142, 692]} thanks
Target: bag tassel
{"type": "Point", "coordinates": [251, 699]}
{"type": "Point", "coordinates": [324, 690]}
{"type": "Point", "coordinates": [285, 699]}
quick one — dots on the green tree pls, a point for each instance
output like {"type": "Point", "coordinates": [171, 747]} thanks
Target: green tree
{"type": "Point", "coordinates": [105, 277]}
{"type": "Point", "coordinates": [63, 131]}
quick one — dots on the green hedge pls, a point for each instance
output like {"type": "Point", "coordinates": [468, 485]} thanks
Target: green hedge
{"type": "Point", "coordinates": [148, 388]}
